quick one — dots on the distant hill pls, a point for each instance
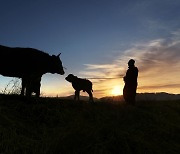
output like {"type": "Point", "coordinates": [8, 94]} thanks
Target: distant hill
{"type": "Point", "coordinates": [157, 96]}
{"type": "Point", "coordinates": [83, 98]}
{"type": "Point", "coordinates": [162, 96]}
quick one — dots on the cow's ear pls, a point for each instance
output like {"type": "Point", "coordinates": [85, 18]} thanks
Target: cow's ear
{"type": "Point", "coordinates": [58, 54]}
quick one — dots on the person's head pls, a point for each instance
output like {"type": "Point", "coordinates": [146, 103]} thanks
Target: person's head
{"type": "Point", "coordinates": [131, 62]}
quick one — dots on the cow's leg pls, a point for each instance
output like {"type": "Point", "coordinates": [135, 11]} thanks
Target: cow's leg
{"type": "Point", "coordinates": [26, 86]}
{"type": "Point", "coordinates": [28, 89]}
{"type": "Point", "coordinates": [38, 90]}
{"type": "Point", "coordinates": [23, 84]}
{"type": "Point", "coordinates": [33, 85]}
{"type": "Point", "coordinates": [36, 84]}
{"type": "Point", "coordinates": [38, 93]}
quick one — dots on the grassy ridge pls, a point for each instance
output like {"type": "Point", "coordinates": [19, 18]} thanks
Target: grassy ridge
{"type": "Point", "coordinates": [63, 126]}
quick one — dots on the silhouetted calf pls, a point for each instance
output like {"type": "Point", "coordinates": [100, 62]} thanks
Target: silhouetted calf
{"type": "Point", "coordinates": [80, 84]}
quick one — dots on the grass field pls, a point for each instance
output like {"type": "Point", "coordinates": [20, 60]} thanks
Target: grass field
{"type": "Point", "coordinates": [52, 125]}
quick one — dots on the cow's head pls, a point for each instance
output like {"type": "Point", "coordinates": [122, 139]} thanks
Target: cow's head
{"type": "Point", "coordinates": [56, 65]}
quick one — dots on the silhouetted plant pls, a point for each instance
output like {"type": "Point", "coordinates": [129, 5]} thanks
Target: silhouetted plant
{"type": "Point", "coordinates": [12, 87]}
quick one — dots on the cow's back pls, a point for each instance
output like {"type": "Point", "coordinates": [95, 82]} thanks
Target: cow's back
{"type": "Point", "coordinates": [17, 62]}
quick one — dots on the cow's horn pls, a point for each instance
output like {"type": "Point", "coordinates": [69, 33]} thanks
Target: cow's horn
{"type": "Point", "coordinates": [58, 54]}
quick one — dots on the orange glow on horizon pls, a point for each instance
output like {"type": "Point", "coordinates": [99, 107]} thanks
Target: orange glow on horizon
{"type": "Point", "coordinates": [116, 91]}
{"type": "Point", "coordinates": [105, 88]}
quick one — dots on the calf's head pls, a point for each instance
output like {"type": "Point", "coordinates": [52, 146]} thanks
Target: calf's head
{"type": "Point", "coordinates": [70, 78]}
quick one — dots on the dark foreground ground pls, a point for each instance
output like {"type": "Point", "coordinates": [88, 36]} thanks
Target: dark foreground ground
{"type": "Point", "coordinates": [52, 125]}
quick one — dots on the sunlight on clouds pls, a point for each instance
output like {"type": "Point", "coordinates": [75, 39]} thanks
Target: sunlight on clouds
{"type": "Point", "coordinates": [101, 66]}
{"type": "Point", "coordinates": [158, 62]}
{"type": "Point", "coordinates": [89, 74]}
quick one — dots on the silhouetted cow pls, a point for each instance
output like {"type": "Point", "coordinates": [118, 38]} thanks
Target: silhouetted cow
{"type": "Point", "coordinates": [28, 64]}
{"type": "Point", "coordinates": [80, 84]}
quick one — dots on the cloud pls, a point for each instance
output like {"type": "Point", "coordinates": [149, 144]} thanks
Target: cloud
{"type": "Point", "coordinates": [158, 62]}
{"type": "Point", "coordinates": [101, 71]}
{"type": "Point", "coordinates": [102, 66]}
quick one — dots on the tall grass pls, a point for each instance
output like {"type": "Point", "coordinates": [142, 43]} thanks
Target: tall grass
{"type": "Point", "coordinates": [52, 125]}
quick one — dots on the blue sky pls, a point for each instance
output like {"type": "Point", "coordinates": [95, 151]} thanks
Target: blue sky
{"type": "Point", "coordinates": [96, 38]}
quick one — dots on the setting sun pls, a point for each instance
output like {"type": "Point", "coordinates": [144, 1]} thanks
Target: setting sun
{"type": "Point", "coordinates": [116, 91]}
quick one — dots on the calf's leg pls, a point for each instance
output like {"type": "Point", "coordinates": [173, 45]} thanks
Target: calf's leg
{"type": "Point", "coordinates": [22, 86]}
{"type": "Point", "coordinates": [90, 96]}
{"type": "Point", "coordinates": [76, 95]}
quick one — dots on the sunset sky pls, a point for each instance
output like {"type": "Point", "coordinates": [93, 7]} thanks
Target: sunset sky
{"type": "Point", "coordinates": [96, 39]}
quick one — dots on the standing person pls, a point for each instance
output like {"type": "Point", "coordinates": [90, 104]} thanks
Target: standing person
{"type": "Point", "coordinates": [130, 79]}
